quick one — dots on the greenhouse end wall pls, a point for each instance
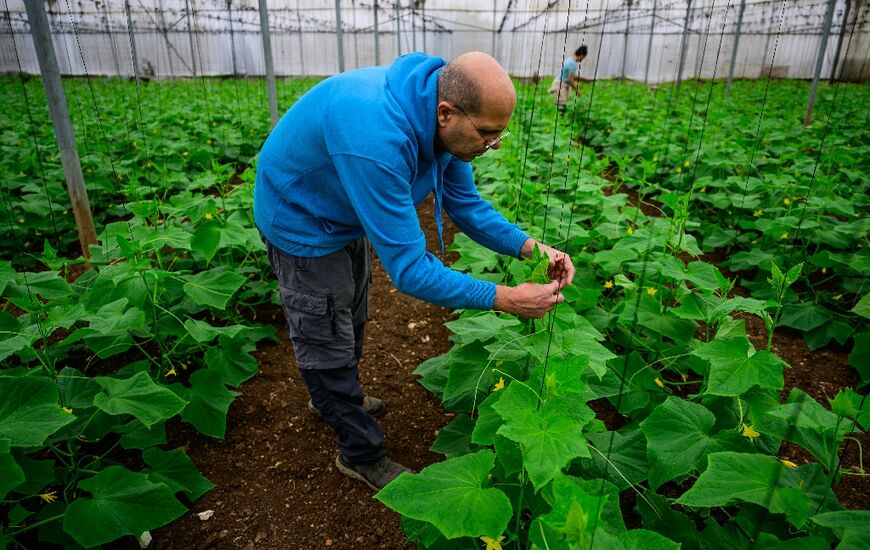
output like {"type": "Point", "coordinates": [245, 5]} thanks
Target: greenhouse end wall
{"type": "Point", "coordinates": [777, 38]}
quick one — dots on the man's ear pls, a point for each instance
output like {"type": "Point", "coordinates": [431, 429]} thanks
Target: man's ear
{"type": "Point", "coordinates": [444, 112]}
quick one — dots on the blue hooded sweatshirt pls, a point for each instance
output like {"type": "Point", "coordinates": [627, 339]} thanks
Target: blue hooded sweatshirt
{"type": "Point", "coordinates": [355, 156]}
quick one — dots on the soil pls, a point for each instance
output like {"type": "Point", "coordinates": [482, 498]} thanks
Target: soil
{"type": "Point", "coordinates": [276, 484]}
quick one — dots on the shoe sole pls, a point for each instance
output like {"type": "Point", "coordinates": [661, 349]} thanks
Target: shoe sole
{"type": "Point", "coordinates": [349, 472]}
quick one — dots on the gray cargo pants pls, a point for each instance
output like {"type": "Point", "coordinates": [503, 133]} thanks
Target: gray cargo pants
{"type": "Point", "coordinates": [325, 303]}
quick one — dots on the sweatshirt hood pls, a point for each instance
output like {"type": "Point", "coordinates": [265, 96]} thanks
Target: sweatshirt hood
{"type": "Point", "coordinates": [412, 80]}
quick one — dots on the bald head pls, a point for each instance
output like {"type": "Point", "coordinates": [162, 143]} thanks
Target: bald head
{"type": "Point", "coordinates": [477, 83]}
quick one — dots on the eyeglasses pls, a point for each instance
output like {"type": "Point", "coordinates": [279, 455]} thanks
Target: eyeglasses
{"type": "Point", "coordinates": [488, 143]}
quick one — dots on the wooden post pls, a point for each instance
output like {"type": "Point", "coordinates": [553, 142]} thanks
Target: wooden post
{"type": "Point", "coordinates": [63, 132]}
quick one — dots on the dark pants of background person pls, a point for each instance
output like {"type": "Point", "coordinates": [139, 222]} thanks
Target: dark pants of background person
{"type": "Point", "coordinates": [325, 302]}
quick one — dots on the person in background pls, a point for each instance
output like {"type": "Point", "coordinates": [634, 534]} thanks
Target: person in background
{"type": "Point", "coordinates": [567, 80]}
{"type": "Point", "coordinates": [343, 171]}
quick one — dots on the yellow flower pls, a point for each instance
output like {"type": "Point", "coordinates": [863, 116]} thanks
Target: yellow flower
{"type": "Point", "coordinates": [824, 270]}
{"type": "Point", "coordinates": [659, 383]}
{"type": "Point", "coordinates": [492, 544]}
{"type": "Point", "coordinates": [21, 219]}
{"type": "Point", "coordinates": [749, 432]}
{"type": "Point", "coordinates": [838, 297]}
{"type": "Point", "coordinates": [184, 153]}
{"type": "Point", "coordinates": [48, 497]}
{"type": "Point", "coordinates": [651, 291]}
{"type": "Point", "coordinates": [784, 235]}
{"type": "Point", "coordinates": [679, 170]}
{"type": "Point", "coordinates": [171, 372]}
{"type": "Point", "coordinates": [630, 231]}
{"type": "Point", "coordinates": [499, 385]}
{"type": "Point", "coordinates": [758, 213]}
{"type": "Point", "coordinates": [208, 216]}
{"type": "Point", "coordinates": [608, 284]}
{"type": "Point", "coordinates": [686, 164]}
{"type": "Point", "coordinates": [788, 463]}
{"type": "Point", "coordinates": [786, 201]}
{"type": "Point", "coordinates": [67, 410]}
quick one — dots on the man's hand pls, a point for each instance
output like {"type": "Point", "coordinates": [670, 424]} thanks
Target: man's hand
{"type": "Point", "coordinates": [528, 299]}
{"type": "Point", "coordinates": [561, 268]}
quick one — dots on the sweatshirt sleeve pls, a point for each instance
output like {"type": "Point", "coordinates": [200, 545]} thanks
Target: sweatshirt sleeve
{"type": "Point", "coordinates": [382, 201]}
{"type": "Point", "coordinates": [476, 217]}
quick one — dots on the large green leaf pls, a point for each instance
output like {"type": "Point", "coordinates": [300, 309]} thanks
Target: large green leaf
{"type": "Point", "coordinates": [177, 471]}
{"type": "Point", "coordinates": [209, 402]}
{"type": "Point", "coordinates": [454, 439]}
{"type": "Point", "coordinates": [213, 288]}
{"type": "Point", "coordinates": [204, 332]}
{"type": "Point", "coordinates": [622, 460]}
{"type": "Point", "coordinates": [14, 336]}
{"type": "Point", "coordinates": [481, 327]}
{"type": "Point", "coordinates": [29, 410]}
{"type": "Point", "coordinates": [123, 503]}
{"type": "Point", "coordinates": [755, 478]}
{"type": "Point", "coordinates": [77, 391]}
{"type": "Point", "coordinates": [232, 359]}
{"type": "Point", "coordinates": [452, 496]}
{"type": "Point", "coordinates": [139, 396]}
{"type": "Point", "coordinates": [109, 330]}
{"type": "Point", "coordinates": [679, 437]}
{"type": "Point", "coordinates": [862, 308]}
{"type": "Point", "coordinates": [470, 376]}
{"type": "Point", "coordinates": [7, 275]}
{"type": "Point", "coordinates": [47, 284]}
{"type": "Point", "coordinates": [11, 473]}
{"type": "Point", "coordinates": [575, 516]}
{"type": "Point", "coordinates": [207, 239]}
{"type": "Point", "coordinates": [735, 367]}
{"type": "Point", "coordinates": [852, 526]}
{"type": "Point", "coordinates": [860, 356]}
{"type": "Point", "coordinates": [550, 434]}
{"type": "Point", "coordinates": [806, 316]}
{"type": "Point", "coordinates": [809, 424]}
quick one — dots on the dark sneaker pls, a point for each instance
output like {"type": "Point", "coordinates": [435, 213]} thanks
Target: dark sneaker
{"type": "Point", "coordinates": [371, 405]}
{"type": "Point", "coordinates": [375, 475]}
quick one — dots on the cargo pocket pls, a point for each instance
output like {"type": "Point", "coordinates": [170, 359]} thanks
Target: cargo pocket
{"type": "Point", "coordinates": [310, 317]}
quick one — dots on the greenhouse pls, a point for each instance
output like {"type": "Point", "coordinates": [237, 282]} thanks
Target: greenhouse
{"type": "Point", "coordinates": [508, 274]}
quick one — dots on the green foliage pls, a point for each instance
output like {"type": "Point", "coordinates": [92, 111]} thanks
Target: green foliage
{"type": "Point", "coordinates": [98, 357]}
{"type": "Point", "coordinates": [655, 336]}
